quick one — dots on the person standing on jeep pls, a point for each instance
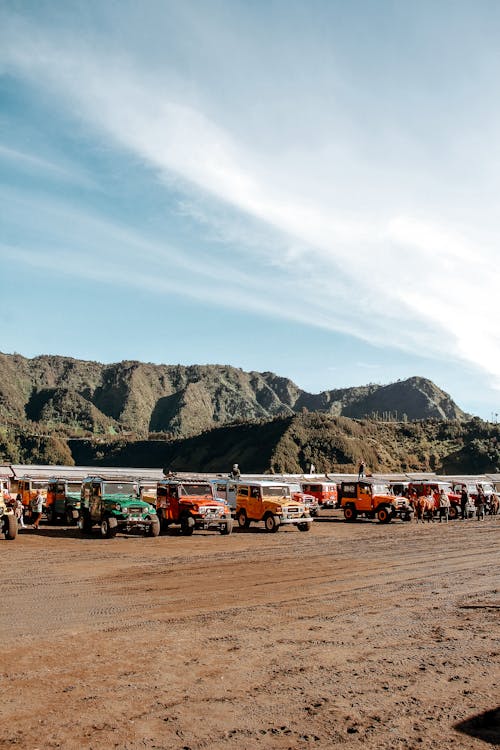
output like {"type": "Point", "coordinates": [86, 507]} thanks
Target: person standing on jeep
{"type": "Point", "coordinates": [361, 469]}
{"type": "Point", "coordinates": [37, 508]}
{"type": "Point", "coordinates": [235, 472]}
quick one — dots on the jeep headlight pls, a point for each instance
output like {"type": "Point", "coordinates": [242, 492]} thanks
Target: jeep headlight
{"type": "Point", "coordinates": [117, 506]}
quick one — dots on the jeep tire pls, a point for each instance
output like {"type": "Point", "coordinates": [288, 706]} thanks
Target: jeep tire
{"type": "Point", "coordinates": [11, 527]}
{"type": "Point", "coordinates": [350, 513]}
{"type": "Point", "coordinates": [272, 523]}
{"type": "Point", "coordinates": [154, 527]}
{"type": "Point", "coordinates": [243, 521]}
{"type": "Point", "coordinates": [107, 530]}
{"type": "Point", "coordinates": [305, 526]}
{"type": "Point", "coordinates": [383, 514]}
{"type": "Point", "coordinates": [84, 522]}
{"type": "Point", "coordinates": [227, 528]}
{"type": "Point", "coordinates": [187, 525]}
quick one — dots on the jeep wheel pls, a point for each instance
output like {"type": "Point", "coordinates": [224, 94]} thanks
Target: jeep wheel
{"type": "Point", "coordinates": [271, 523]}
{"type": "Point", "coordinates": [84, 523]}
{"type": "Point", "coordinates": [11, 530]}
{"type": "Point", "coordinates": [227, 528]}
{"type": "Point", "coordinates": [187, 525]}
{"type": "Point", "coordinates": [453, 512]}
{"type": "Point", "coordinates": [350, 513]}
{"type": "Point", "coordinates": [304, 526]}
{"type": "Point", "coordinates": [243, 521]}
{"type": "Point", "coordinates": [163, 523]}
{"type": "Point", "coordinates": [107, 530]}
{"type": "Point", "coordinates": [154, 528]}
{"type": "Point", "coordinates": [383, 514]}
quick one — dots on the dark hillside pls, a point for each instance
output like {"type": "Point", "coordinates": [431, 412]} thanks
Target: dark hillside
{"type": "Point", "coordinates": [251, 445]}
{"type": "Point", "coordinates": [333, 444]}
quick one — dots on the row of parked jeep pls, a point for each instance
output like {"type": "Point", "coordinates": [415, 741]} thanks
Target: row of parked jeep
{"type": "Point", "coordinates": [199, 502]}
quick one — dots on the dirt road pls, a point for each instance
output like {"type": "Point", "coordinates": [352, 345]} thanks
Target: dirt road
{"type": "Point", "coordinates": [385, 636]}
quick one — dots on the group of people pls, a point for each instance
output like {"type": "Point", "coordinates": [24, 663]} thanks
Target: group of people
{"type": "Point", "coordinates": [427, 507]}
{"type": "Point", "coordinates": [35, 510]}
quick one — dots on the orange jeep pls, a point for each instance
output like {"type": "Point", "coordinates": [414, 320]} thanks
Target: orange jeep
{"type": "Point", "coordinates": [372, 499]}
{"type": "Point", "coordinates": [28, 488]}
{"type": "Point", "coordinates": [191, 504]}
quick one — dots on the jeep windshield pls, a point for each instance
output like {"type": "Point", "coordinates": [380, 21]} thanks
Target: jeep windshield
{"type": "Point", "coordinates": [120, 488]}
{"type": "Point", "coordinates": [283, 491]}
{"type": "Point", "coordinates": [195, 490]}
{"type": "Point", "coordinates": [381, 489]}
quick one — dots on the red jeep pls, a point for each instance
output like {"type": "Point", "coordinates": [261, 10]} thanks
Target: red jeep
{"type": "Point", "coordinates": [191, 504]}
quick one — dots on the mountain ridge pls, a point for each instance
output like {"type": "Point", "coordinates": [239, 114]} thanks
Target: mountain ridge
{"type": "Point", "coordinates": [184, 400]}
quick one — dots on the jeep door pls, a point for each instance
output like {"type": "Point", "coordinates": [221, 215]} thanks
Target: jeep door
{"type": "Point", "coordinates": [365, 499]}
{"type": "Point", "coordinates": [255, 503]}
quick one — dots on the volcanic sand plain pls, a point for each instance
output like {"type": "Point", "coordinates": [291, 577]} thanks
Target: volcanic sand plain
{"type": "Point", "coordinates": [349, 636]}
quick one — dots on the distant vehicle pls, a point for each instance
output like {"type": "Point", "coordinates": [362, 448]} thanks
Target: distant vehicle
{"type": "Point", "coordinates": [325, 493]}
{"type": "Point", "coordinates": [309, 501]}
{"type": "Point", "coordinates": [270, 502]}
{"type": "Point", "coordinates": [225, 489]}
{"type": "Point", "coordinates": [472, 488]}
{"type": "Point", "coordinates": [28, 489]}
{"type": "Point", "coordinates": [63, 501]}
{"type": "Point", "coordinates": [115, 506]}
{"type": "Point", "coordinates": [372, 499]}
{"type": "Point", "coordinates": [191, 504]}
{"type": "Point", "coordinates": [5, 489]}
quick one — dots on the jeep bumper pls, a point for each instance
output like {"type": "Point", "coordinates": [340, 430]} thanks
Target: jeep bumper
{"type": "Point", "coordinates": [211, 523]}
{"type": "Point", "coordinates": [295, 519]}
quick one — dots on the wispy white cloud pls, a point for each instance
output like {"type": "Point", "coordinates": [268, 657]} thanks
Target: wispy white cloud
{"type": "Point", "coordinates": [316, 238]}
{"type": "Point", "coordinates": [35, 163]}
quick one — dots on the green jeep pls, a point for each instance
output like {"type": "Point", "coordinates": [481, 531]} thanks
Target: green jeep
{"type": "Point", "coordinates": [115, 506]}
{"type": "Point", "coordinates": [8, 521]}
{"type": "Point", "coordinates": [63, 501]}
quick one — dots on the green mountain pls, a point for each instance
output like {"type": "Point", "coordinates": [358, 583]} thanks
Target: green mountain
{"type": "Point", "coordinates": [137, 398]}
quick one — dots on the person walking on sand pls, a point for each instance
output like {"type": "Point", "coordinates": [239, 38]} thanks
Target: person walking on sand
{"type": "Point", "coordinates": [19, 511]}
{"type": "Point", "coordinates": [480, 503]}
{"type": "Point", "coordinates": [444, 506]}
{"type": "Point", "coordinates": [464, 502]}
{"type": "Point", "coordinates": [37, 508]}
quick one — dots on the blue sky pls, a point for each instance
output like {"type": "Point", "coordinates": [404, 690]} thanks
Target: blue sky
{"type": "Point", "coordinates": [307, 188]}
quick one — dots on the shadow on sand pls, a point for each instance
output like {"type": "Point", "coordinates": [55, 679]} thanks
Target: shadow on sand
{"type": "Point", "coordinates": [484, 727]}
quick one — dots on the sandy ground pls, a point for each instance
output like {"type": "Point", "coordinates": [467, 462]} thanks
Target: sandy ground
{"type": "Point", "coordinates": [350, 635]}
